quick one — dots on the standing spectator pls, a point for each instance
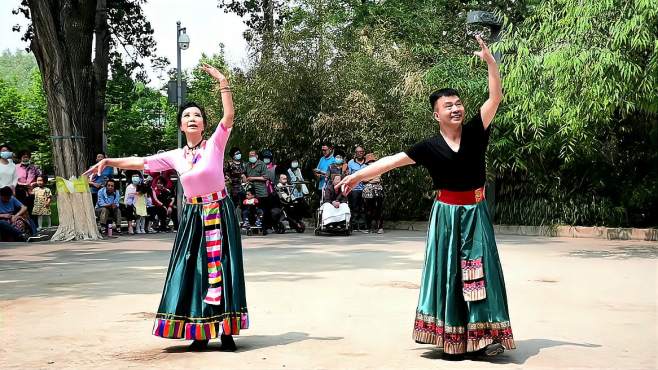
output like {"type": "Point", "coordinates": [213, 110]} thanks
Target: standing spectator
{"type": "Point", "coordinates": [14, 222]}
{"type": "Point", "coordinates": [8, 174]}
{"type": "Point", "coordinates": [107, 207]}
{"type": "Point", "coordinates": [234, 170]}
{"type": "Point", "coordinates": [129, 200]}
{"type": "Point", "coordinates": [355, 197]}
{"type": "Point", "coordinates": [373, 197]}
{"type": "Point", "coordinates": [257, 176]}
{"type": "Point", "coordinates": [97, 182]}
{"type": "Point", "coordinates": [42, 198]}
{"type": "Point", "coordinates": [27, 177]}
{"type": "Point", "coordinates": [321, 171]}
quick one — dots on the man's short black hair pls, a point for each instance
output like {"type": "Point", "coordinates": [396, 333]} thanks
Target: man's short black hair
{"type": "Point", "coordinates": [110, 181]}
{"type": "Point", "coordinates": [6, 192]}
{"type": "Point", "coordinates": [24, 152]}
{"type": "Point", "coordinates": [442, 92]}
{"type": "Point", "coordinates": [190, 105]}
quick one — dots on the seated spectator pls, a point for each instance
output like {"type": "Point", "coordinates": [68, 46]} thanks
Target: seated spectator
{"type": "Point", "coordinates": [98, 182]}
{"type": "Point", "coordinates": [8, 173]}
{"type": "Point", "coordinates": [295, 176]}
{"type": "Point", "coordinates": [42, 198]}
{"type": "Point", "coordinates": [14, 222]}
{"type": "Point", "coordinates": [107, 207]}
{"type": "Point", "coordinates": [339, 167]}
{"type": "Point", "coordinates": [251, 212]}
{"type": "Point", "coordinates": [27, 176]}
{"type": "Point", "coordinates": [292, 206]}
{"type": "Point", "coordinates": [334, 207]}
{"type": "Point", "coordinates": [165, 206]}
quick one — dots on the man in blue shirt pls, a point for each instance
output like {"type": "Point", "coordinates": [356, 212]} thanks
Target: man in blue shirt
{"type": "Point", "coordinates": [355, 197]}
{"type": "Point", "coordinates": [14, 225]}
{"type": "Point", "coordinates": [108, 206]}
{"type": "Point", "coordinates": [322, 169]}
{"type": "Point", "coordinates": [97, 182]}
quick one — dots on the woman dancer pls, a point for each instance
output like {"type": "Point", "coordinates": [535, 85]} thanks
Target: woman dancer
{"type": "Point", "coordinates": [462, 305]}
{"type": "Point", "coordinates": [204, 293]}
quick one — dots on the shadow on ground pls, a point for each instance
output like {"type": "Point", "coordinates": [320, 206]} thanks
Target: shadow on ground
{"type": "Point", "coordinates": [255, 342]}
{"type": "Point", "coordinates": [525, 349]}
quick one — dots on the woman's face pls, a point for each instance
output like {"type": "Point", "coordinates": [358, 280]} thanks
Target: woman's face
{"type": "Point", "coordinates": [192, 121]}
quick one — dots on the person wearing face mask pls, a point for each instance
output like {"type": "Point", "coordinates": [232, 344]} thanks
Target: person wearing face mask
{"type": "Point", "coordinates": [27, 178]}
{"type": "Point", "coordinates": [257, 175]}
{"type": "Point", "coordinates": [234, 171]}
{"type": "Point", "coordinates": [8, 173]}
{"type": "Point", "coordinates": [294, 176]}
{"type": "Point", "coordinates": [339, 167]}
{"type": "Point", "coordinates": [129, 201]}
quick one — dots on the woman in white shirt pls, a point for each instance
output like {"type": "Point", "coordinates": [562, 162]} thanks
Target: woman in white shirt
{"type": "Point", "coordinates": [8, 175]}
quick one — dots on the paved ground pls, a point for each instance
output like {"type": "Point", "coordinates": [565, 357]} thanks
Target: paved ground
{"type": "Point", "coordinates": [326, 303]}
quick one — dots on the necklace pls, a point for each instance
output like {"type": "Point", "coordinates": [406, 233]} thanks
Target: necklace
{"type": "Point", "coordinates": [194, 158]}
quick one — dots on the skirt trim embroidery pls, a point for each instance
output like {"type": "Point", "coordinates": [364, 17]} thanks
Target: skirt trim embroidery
{"type": "Point", "coordinates": [212, 220]}
{"type": "Point", "coordinates": [166, 326]}
{"type": "Point", "coordinates": [460, 339]}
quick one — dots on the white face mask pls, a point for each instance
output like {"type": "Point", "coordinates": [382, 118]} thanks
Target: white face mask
{"type": "Point", "coordinates": [267, 161]}
{"type": "Point", "coordinates": [294, 165]}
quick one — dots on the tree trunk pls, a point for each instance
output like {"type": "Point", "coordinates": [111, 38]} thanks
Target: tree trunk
{"type": "Point", "coordinates": [101, 62]}
{"type": "Point", "coordinates": [62, 45]}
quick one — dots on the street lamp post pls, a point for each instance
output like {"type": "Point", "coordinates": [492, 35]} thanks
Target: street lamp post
{"type": "Point", "coordinates": [182, 43]}
{"type": "Point", "coordinates": [489, 20]}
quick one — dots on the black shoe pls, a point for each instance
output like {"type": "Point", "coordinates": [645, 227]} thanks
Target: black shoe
{"type": "Point", "coordinates": [228, 345]}
{"type": "Point", "coordinates": [494, 349]}
{"type": "Point", "coordinates": [199, 345]}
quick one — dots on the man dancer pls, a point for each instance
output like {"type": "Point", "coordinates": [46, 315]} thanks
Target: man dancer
{"type": "Point", "coordinates": [463, 305]}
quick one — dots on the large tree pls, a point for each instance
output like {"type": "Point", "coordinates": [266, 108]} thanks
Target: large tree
{"type": "Point", "coordinates": [73, 42]}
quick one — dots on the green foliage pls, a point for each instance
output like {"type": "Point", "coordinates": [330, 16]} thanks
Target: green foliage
{"type": "Point", "coordinates": [23, 123]}
{"type": "Point", "coordinates": [139, 119]}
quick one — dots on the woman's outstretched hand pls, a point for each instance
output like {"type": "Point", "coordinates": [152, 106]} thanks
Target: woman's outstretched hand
{"type": "Point", "coordinates": [347, 184]}
{"type": "Point", "coordinates": [96, 169]}
{"type": "Point", "coordinates": [214, 73]}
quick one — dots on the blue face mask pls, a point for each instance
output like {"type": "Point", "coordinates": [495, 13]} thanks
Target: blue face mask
{"type": "Point", "coordinates": [252, 159]}
{"type": "Point", "coordinates": [136, 180]}
{"type": "Point", "coordinates": [237, 156]}
{"type": "Point", "coordinates": [339, 160]}
{"type": "Point", "coordinates": [267, 161]}
{"type": "Point", "coordinates": [294, 165]}
{"type": "Point", "coordinates": [6, 155]}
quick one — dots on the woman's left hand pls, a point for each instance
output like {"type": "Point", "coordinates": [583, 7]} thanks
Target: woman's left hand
{"type": "Point", "coordinates": [214, 73]}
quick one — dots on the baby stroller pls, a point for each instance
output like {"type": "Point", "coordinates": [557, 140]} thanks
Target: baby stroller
{"type": "Point", "coordinates": [290, 211]}
{"type": "Point", "coordinates": [332, 220]}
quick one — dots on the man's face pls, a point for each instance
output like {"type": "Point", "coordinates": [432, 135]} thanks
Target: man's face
{"type": "Point", "coordinates": [25, 158]}
{"type": "Point", "coordinates": [110, 187]}
{"type": "Point", "coordinates": [99, 157]}
{"type": "Point", "coordinates": [359, 152]}
{"type": "Point", "coordinates": [449, 110]}
{"type": "Point", "coordinates": [326, 150]}
{"type": "Point", "coordinates": [5, 199]}
{"type": "Point", "coordinates": [283, 179]}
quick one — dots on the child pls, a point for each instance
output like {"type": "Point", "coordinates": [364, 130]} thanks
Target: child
{"type": "Point", "coordinates": [250, 210]}
{"type": "Point", "coordinates": [140, 203]}
{"type": "Point", "coordinates": [42, 199]}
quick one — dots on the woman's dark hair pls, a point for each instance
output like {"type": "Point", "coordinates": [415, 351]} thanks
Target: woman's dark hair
{"type": "Point", "coordinates": [234, 150]}
{"type": "Point", "coordinates": [266, 153]}
{"type": "Point", "coordinates": [191, 105]}
{"type": "Point", "coordinates": [5, 146]}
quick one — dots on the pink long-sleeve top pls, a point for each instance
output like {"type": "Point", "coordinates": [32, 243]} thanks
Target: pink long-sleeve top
{"type": "Point", "coordinates": [201, 175]}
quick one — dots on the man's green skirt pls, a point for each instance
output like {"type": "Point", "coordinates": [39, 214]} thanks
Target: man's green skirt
{"type": "Point", "coordinates": [463, 304]}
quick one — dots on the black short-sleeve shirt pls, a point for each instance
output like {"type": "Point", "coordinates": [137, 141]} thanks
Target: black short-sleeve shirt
{"type": "Point", "coordinates": [457, 171]}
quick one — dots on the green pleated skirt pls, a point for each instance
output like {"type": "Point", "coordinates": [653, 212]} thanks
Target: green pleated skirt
{"type": "Point", "coordinates": [183, 313]}
{"type": "Point", "coordinates": [463, 304]}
